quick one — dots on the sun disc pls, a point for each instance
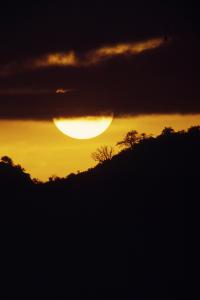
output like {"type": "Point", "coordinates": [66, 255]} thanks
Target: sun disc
{"type": "Point", "coordinates": [83, 127]}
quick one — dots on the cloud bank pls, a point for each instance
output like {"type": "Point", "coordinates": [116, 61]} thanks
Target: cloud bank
{"type": "Point", "coordinates": [148, 77]}
{"type": "Point", "coordinates": [95, 57]}
{"type": "Point", "coordinates": [89, 58]}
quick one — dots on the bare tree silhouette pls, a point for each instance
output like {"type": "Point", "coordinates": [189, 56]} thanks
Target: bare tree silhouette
{"type": "Point", "coordinates": [103, 153]}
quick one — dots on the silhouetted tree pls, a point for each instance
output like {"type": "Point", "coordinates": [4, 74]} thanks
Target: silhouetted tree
{"type": "Point", "coordinates": [71, 175]}
{"type": "Point", "coordinates": [7, 160]}
{"type": "Point", "coordinates": [54, 178]}
{"type": "Point", "coordinates": [194, 131]}
{"type": "Point", "coordinates": [103, 153]}
{"type": "Point", "coordinates": [36, 181]}
{"type": "Point", "coordinates": [167, 131]}
{"type": "Point", "coordinates": [144, 136]}
{"type": "Point", "coordinates": [130, 139]}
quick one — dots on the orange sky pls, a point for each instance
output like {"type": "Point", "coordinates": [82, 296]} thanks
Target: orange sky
{"type": "Point", "coordinates": [44, 151]}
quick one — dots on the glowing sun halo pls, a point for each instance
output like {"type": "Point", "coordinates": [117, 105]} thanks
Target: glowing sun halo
{"type": "Point", "coordinates": [83, 127]}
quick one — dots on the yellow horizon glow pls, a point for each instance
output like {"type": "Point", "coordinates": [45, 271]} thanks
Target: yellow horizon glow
{"type": "Point", "coordinates": [43, 151]}
{"type": "Point", "coordinates": [84, 127]}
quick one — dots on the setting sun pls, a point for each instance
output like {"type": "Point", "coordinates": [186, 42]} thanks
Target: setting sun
{"type": "Point", "coordinates": [99, 147]}
{"type": "Point", "coordinates": [83, 128]}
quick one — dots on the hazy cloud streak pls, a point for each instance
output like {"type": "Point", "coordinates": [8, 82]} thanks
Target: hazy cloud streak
{"type": "Point", "coordinates": [126, 49]}
{"type": "Point", "coordinates": [31, 91]}
{"type": "Point", "coordinates": [97, 56]}
{"type": "Point", "coordinates": [90, 58]}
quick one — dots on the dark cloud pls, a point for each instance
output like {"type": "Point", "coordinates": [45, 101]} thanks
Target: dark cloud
{"type": "Point", "coordinates": [31, 91]}
{"type": "Point", "coordinates": [32, 28]}
{"type": "Point", "coordinates": [89, 58]}
{"type": "Point", "coordinates": [162, 80]}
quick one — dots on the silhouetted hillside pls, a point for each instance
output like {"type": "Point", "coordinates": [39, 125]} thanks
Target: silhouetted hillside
{"type": "Point", "coordinates": [118, 228]}
{"type": "Point", "coordinates": [154, 164]}
{"type": "Point", "coordinates": [15, 185]}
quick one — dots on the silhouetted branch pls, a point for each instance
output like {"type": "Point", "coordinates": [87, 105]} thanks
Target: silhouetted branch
{"type": "Point", "coordinates": [103, 153]}
{"type": "Point", "coordinates": [132, 138]}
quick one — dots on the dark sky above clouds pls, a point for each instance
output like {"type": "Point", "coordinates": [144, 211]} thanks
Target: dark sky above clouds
{"type": "Point", "coordinates": [103, 53]}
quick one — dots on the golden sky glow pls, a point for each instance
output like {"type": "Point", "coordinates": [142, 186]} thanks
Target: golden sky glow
{"type": "Point", "coordinates": [43, 151]}
{"type": "Point", "coordinates": [83, 128]}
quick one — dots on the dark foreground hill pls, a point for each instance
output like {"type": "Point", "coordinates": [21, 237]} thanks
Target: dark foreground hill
{"type": "Point", "coordinates": [115, 230]}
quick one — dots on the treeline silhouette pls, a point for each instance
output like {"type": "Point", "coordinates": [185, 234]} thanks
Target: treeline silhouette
{"type": "Point", "coordinates": [116, 229]}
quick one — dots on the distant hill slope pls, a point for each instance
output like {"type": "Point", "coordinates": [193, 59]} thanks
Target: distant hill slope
{"type": "Point", "coordinates": [116, 229]}
{"type": "Point", "coordinates": [155, 168]}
